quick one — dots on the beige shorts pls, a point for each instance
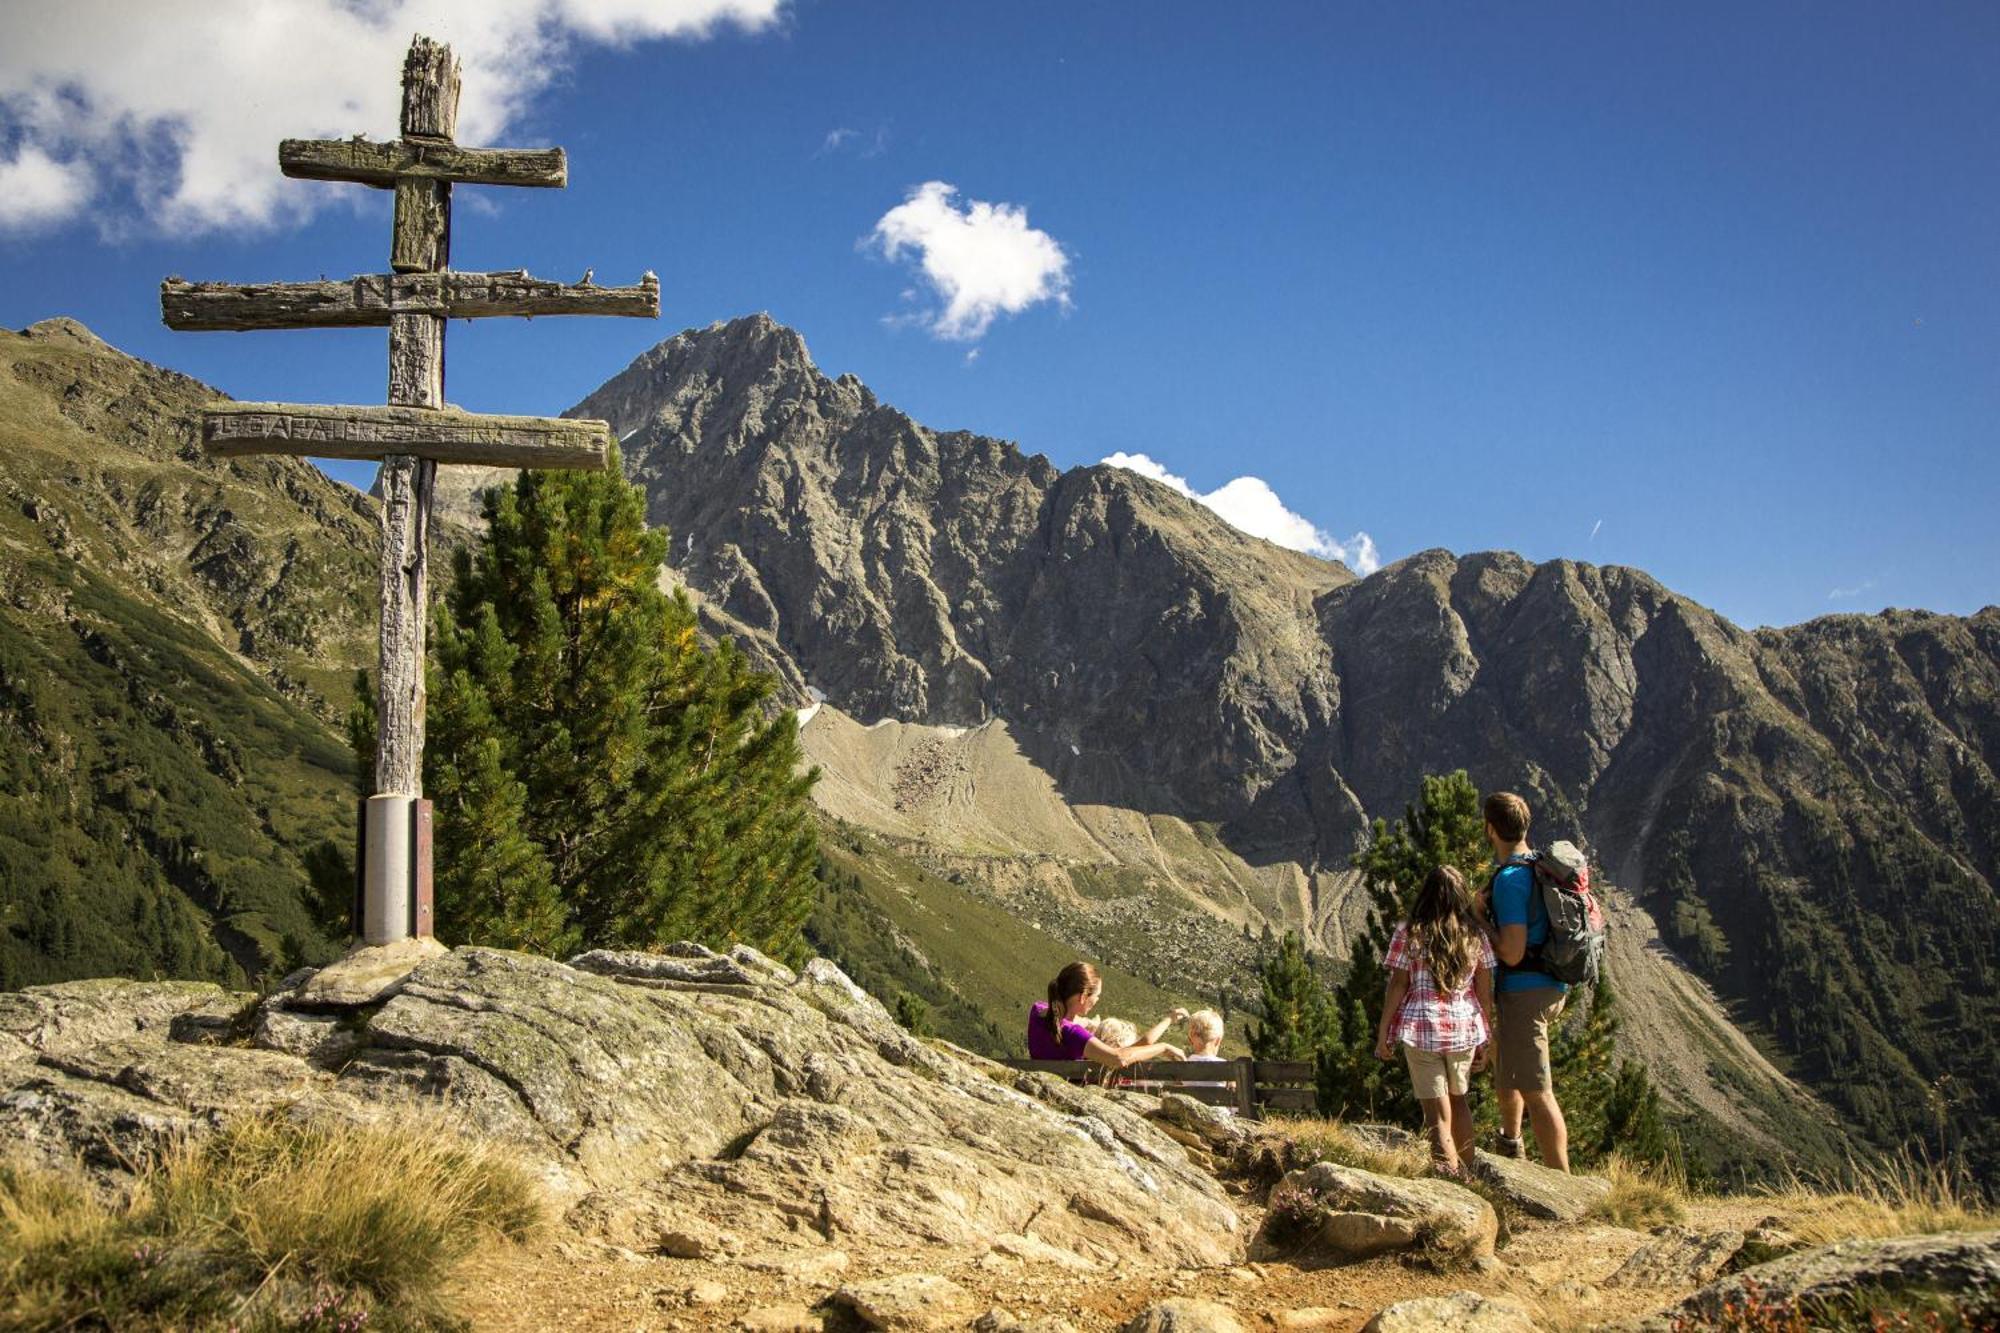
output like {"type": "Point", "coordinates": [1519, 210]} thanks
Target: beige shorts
{"type": "Point", "coordinates": [1438, 1074]}
{"type": "Point", "coordinates": [1521, 1052]}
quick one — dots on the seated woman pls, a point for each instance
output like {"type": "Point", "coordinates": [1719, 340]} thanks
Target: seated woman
{"type": "Point", "coordinates": [1054, 1032]}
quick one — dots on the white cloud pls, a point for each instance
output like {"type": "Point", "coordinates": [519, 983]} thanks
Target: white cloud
{"type": "Point", "coordinates": [36, 189]}
{"type": "Point", "coordinates": [178, 104]}
{"type": "Point", "coordinates": [981, 261]}
{"type": "Point", "coordinates": [1249, 503]}
{"type": "Point", "coordinates": [1844, 594]}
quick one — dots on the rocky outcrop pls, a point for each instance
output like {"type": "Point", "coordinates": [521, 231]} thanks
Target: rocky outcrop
{"type": "Point", "coordinates": [697, 1105]}
{"type": "Point", "coordinates": [1343, 1213]}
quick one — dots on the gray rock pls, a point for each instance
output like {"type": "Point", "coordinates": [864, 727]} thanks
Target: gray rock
{"type": "Point", "coordinates": [909, 1301]}
{"type": "Point", "coordinates": [1678, 1256]}
{"type": "Point", "coordinates": [1460, 1312]}
{"type": "Point", "coordinates": [1538, 1191]}
{"type": "Point", "coordinates": [77, 1015]}
{"type": "Point", "coordinates": [322, 1039]}
{"type": "Point", "coordinates": [1347, 1214]}
{"type": "Point", "coordinates": [218, 1022]}
{"type": "Point", "coordinates": [1185, 1316]}
{"type": "Point", "coordinates": [367, 976]}
{"type": "Point", "coordinates": [1951, 1262]}
{"type": "Point", "coordinates": [698, 971]}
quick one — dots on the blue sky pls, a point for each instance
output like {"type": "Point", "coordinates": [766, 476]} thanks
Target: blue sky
{"type": "Point", "coordinates": [1705, 289]}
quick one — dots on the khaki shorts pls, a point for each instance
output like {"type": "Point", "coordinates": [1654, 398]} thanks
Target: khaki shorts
{"type": "Point", "coordinates": [1521, 1052]}
{"type": "Point", "coordinates": [1438, 1074]}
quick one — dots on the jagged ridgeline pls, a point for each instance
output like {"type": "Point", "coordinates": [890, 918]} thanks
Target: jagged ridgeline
{"type": "Point", "coordinates": [1083, 698]}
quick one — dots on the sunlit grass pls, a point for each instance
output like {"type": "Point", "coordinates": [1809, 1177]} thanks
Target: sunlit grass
{"type": "Point", "coordinates": [265, 1224]}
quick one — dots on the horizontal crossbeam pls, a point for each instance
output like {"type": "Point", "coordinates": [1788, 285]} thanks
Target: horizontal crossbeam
{"type": "Point", "coordinates": [371, 299]}
{"type": "Point", "coordinates": [445, 435]}
{"type": "Point", "coordinates": [383, 164]}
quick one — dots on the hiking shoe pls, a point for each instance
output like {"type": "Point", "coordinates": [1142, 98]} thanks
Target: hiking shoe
{"type": "Point", "coordinates": [1509, 1147]}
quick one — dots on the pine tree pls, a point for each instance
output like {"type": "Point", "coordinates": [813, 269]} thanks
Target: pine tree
{"type": "Point", "coordinates": [1297, 1018]}
{"type": "Point", "coordinates": [1443, 827]}
{"type": "Point", "coordinates": [1610, 1104]}
{"type": "Point", "coordinates": [602, 777]}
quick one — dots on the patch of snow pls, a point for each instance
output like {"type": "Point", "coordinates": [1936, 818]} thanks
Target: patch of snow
{"type": "Point", "coordinates": [807, 714]}
{"type": "Point", "coordinates": [1073, 749]}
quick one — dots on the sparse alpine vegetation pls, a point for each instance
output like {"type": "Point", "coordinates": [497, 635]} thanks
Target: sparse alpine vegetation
{"type": "Point", "coordinates": [321, 1228]}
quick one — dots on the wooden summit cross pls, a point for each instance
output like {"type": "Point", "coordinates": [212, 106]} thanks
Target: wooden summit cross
{"type": "Point", "coordinates": [416, 431]}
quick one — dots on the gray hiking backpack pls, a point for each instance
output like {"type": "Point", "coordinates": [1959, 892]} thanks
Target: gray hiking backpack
{"type": "Point", "coordinates": [1574, 950]}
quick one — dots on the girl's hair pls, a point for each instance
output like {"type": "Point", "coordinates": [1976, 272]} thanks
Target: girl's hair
{"type": "Point", "coordinates": [1204, 1025]}
{"type": "Point", "coordinates": [1074, 980]}
{"type": "Point", "coordinates": [1443, 928]}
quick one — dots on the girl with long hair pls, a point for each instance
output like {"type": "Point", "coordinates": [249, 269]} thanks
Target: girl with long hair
{"type": "Point", "coordinates": [1054, 1032]}
{"type": "Point", "coordinates": [1438, 1008]}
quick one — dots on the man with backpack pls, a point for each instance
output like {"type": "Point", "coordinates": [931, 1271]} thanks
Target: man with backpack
{"type": "Point", "coordinates": [1529, 997]}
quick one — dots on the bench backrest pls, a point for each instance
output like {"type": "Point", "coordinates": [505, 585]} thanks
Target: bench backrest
{"type": "Point", "coordinates": [1250, 1087]}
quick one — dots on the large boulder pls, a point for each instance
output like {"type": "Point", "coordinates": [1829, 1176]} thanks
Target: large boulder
{"type": "Point", "coordinates": [1833, 1276]}
{"type": "Point", "coordinates": [1460, 1312]}
{"type": "Point", "coordinates": [687, 1103]}
{"type": "Point", "coordinates": [1538, 1191]}
{"type": "Point", "coordinates": [1345, 1213]}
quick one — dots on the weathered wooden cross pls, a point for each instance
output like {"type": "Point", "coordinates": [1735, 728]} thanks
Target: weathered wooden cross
{"type": "Point", "coordinates": [416, 431]}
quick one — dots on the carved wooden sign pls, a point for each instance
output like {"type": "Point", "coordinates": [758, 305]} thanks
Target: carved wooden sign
{"type": "Point", "coordinates": [416, 431]}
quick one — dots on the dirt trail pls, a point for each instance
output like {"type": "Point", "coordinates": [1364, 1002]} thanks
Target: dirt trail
{"type": "Point", "coordinates": [1554, 1269]}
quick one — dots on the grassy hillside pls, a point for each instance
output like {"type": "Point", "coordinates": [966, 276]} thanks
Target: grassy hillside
{"type": "Point", "coordinates": [176, 637]}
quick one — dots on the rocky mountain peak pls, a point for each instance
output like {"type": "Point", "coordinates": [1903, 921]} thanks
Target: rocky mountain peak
{"type": "Point", "coordinates": [64, 329]}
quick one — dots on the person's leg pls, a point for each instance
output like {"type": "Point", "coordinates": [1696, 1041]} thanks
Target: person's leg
{"type": "Point", "coordinates": [1532, 1078]}
{"type": "Point", "coordinates": [1461, 1126]}
{"type": "Point", "coordinates": [1551, 1131]}
{"type": "Point", "coordinates": [1431, 1082]}
{"type": "Point", "coordinates": [1438, 1126]}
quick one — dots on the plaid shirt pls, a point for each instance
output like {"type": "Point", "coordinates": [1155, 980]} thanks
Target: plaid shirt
{"type": "Point", "coordinates": [1431, 1019]}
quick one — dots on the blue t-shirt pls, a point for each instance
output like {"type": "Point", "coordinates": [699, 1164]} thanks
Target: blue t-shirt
{"type": "Point", "coordinates": [1517, 902]}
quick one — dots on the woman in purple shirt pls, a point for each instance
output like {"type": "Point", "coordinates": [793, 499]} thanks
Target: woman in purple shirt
{"type": "Point", "coordinates": [1054, 1033]}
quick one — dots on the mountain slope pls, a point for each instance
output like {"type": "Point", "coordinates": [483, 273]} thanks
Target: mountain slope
{"type": "Point", "coordinates": [1809, 813]}
{"type": "Point", "coordinates": [175, 635]}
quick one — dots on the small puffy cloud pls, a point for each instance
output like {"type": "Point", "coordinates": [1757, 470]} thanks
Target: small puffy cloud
{"type": "Point", "coordinates": [173, 108]}
{"type": "Point", "coordinates": [35, 189]}
{"type": "Point", "coordinates": [980, 261]}
{"type": "Point", "coordinates": [1847, 594]}
{"type": "Point", "coordinates": [1250, 504]}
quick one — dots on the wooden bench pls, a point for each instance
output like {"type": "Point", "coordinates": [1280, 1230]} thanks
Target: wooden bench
{"type": "Point", "coordinates": [1248, 1087]}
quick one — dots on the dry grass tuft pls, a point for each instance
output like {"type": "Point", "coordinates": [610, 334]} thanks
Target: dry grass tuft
{"type": "Point", "coordinates": [1899, 1196]}
{"type": "Point", "coordinates": [266, 1224]}
{"type": "Point", "coordinates": [1643, 1195]}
